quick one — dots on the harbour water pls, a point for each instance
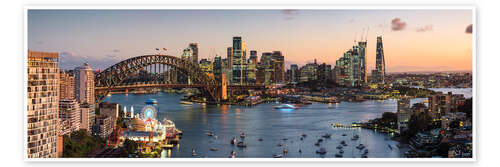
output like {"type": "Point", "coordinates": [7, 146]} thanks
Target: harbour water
{"type": "Point", "coordinates": [274, 127]}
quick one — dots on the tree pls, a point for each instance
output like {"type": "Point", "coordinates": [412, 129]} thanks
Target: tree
{"type": "Point", "coordinates": [130, 146]}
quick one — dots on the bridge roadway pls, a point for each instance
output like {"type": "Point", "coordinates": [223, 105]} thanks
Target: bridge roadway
{"type": "Point", "coordinates": [136, 86]}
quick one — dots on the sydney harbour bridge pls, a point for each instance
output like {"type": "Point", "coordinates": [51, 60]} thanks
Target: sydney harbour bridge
{"type": "Point", "coordinates": [120, 77]}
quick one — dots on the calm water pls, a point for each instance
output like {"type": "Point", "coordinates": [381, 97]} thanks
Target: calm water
{"type": "Point", "coordinates": [271, 125]}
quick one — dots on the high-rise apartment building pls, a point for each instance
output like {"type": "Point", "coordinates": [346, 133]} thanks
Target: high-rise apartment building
{"type": "Point", "coordinates": [379, 75]}
{"type": "Point", "coordinates": [66, 86]}
{"type": "Point", "coordinates": [87, 117]}
{"type": "Point", "coordinates": [69, 113]}
{"type": "Point", "coordinates": [84, 84]}
{"type": "Point", "coordinates": [42, 105]}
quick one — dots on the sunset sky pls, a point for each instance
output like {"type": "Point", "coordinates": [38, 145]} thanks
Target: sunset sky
{"type": "Point", "coordinates": [414, 40]}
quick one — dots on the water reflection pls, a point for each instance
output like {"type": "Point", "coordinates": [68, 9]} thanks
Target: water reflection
{"type": "Point", "coordinates": [269, 131]}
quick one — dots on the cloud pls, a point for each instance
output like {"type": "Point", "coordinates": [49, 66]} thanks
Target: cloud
{"type": "Point", "coordinates": [468, 30]}
{"type": "Point", "coordinates": [425, 28]}
{"type": "Point", "coordinates": [397, 24]}
{"type": "Point", "coordinates": [290, 13]}
{"type": "Point", "coordinates": [116, 50]}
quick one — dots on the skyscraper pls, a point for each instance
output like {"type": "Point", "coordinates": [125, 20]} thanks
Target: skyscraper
{"type": "Point", "coordinates": [84, 84]}
{"type": "Point", "coordinates": [379, 76]}
{"type": "Point", "coordinates": [239, 61]}
{"type": "Point", "coordinates": [217, 68]}
{"type": "Point", "coordinates": [43, 105]}
{"type": "Point", "coordinates": [279, 67]}
{"type": "Point", "coordinates": [194, 49]}
{"type": "Point", "coordinates": [362, 59]}
{"type": "Point", "coordinates": [252, 67]}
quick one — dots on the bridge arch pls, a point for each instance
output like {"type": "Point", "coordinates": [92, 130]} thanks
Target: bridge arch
{"type": "Point", "coordinates": [117, 73]}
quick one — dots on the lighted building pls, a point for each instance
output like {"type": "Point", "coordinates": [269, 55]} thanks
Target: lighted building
{"type": "Point", "coordinates": [324, 72]}
{"type": "Point", "coordinates": [239, 61]}
{"type": "Point", "coordinates": [66, 86]}
{"type": "Point", "coordinates": [294, 73]}
{"type": "Point", "coordinates": [217, 68]}
{"type": "Point", "coordinates": [252, 67]}
{"type": "Point", "coordinates": [403, 114]}
{"type": "Point", "coordinates": [84, 84]}
{"type": "Point", "coordinates": [439, 104]}
{"type": "Point", "coordinates": [206, 66]}
{"type": "Point", "coordinates": [279, 67]}
{"type": "Point", "coordinates": [194, 50]}
{"type": "Point", "coordinates": [309, 72]}
{"type": "Point", "coordinates": [42, 105]}
{"type": "Point", "coordinates": [69, 114]}
{"type": "Point", "coordinates": [379, 73]}
{"type": "Point", "coordinates": [267, 69]}
{"type": "Point", "coordinates": [362, 64]}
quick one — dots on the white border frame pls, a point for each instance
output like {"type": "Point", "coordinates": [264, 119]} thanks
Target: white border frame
{"type": "Point", "coordinates": [257, 7]}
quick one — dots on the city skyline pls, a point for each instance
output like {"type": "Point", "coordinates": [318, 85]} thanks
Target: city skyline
{"type": "Point", "coordinates": [103, 38]}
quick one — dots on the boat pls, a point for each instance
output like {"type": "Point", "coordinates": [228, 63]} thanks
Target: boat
{"type": "Point", "coordinates": [193, 153]}
{"type": "Point", "coordinates": [241, 144]}
{"type": "Point", "coordinates": [364, 156]}
{"type": "Point", "coordinates": [338, 155]}
{"type": "Point", "coordinates": [233, 141]}
{"type": "Point", "coordinates": [365, 152]}
{"type": "Point", "coordinates": [213, 149]}
{"type": "Point", "coordinates": [304, 135]}
{"type": "Point", "coordinates": [355, 137]}
{"type": "Point", "coordinates": [210, 133]}
{"type": "Point", "coordinates": [344, 134]}
{"type": "Point", "coordinates": [316, 144]}
{"type": "Point", "coordinates": [360, 146]}
{"type": "Point", "coordinates": [277, 155]}
{"type": "Point", "coordinates": [185, 102]}
{"type": "Point", "coordinates": [233, 154]}
{"type": "Point", "coordinates": [339, 147]}
{"type": "Point", "coordinates": [285, 106]}
{"type": "Point", "coordinates": [327, 135]}
{"type": "Point", "coordinates": [388, 145]}
{"type": "Point", "coordinates": [279, 145]}
{"type": "Point", "coordinates": [342, 142]}
{"type": "Point", "coordinates": [301, 138]}
{"type": "Point", "coordinates": [285, 151]}
{"type": "Point", "coordinates": [261, 139]}
{"type": "Point", "coordinates": [321, 151]}
{"type": "Point", "coordinates": [341, 151]}
{"type": "Point", "coordinates": [242, 135]}
{"type": "Point", "coordinates": [320, 140]}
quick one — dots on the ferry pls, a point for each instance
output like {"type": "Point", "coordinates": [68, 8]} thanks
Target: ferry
{"type": "Point", "coordinates": [285, 106]}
